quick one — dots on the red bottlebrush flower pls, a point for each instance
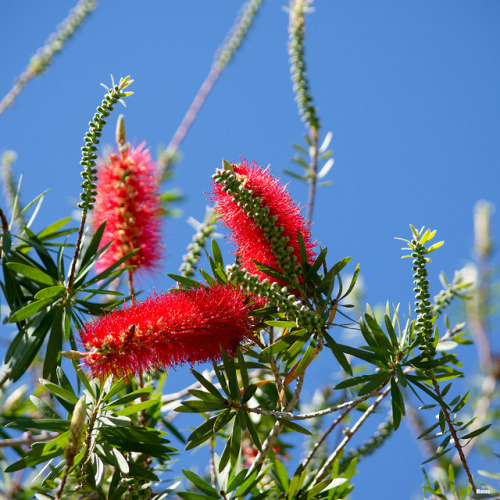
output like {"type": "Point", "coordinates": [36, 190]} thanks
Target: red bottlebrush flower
{"type": "Point", "coordinates": [251, 240]}
{"type": "Point", "coordinates": [182, 326]}
{"type": "Point", "coordinates": [128, 200]}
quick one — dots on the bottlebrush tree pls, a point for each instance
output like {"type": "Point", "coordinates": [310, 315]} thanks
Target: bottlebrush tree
{"type": "Point", "coordinates": [100, 423]}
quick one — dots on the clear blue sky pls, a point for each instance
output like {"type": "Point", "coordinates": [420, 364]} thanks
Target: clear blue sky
{"type": "Point", "coordinates": [409, 89]}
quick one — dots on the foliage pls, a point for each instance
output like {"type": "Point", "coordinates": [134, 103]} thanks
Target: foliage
{"type": "Point", "coordinates": [117, 436]}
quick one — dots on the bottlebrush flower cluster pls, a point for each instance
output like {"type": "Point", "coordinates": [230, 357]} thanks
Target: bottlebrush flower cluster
{"type": "Point", "coordinates": [265, 226]}
{"type": "Point", "coordinates": [128, 201]}
{"type": "Point", "coordinates": [182, 326]}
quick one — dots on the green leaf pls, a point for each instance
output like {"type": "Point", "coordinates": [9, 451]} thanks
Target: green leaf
{"type": "Point", "coordinates": [117, 387]}
{"type": "Point", "coordinates": [59, 391]}
{"type": "Point", "coordinates": [52, 228]}
{"type": "Point", "coordinates": [364, 355]}
{"type": "Point", "coordinates": [188, 495]}
{"type": "Point", "coordinates": [29, 310]}
{"type": "Point", "coordinates": [477, 432]}
{"type": "Point", "coordinates": [201, 485]}
{"type": "Point", "coordinates": [351, 382]}
{"type": "Point", "coordinates": [252, 430]}
{"type": "Point", "coordinates": [285, 342]}
{"type": "Point", "coordinates": [341, 264]}
{"type": "Point", "coordinates": [338, 353]}
{"type": "Point", "coordinates": [130, 410]}
{"type": "Point", "coordinates": [49, 292]}
{"type": "Point", "coordinates": [221, 379]}
{"type": "Point", "coordinates": [250, 482]}
{"type": "Point", "coordinates": [270, 271]}
{"type": "Point", "coordinates": [236, 480]}
{"type": "Point", "coordinates": [378, 380]}
{"type": "Point", "coordinates": [206, 396]}
{"type": "Point", "coordinates": [207, 384]}
{"type": "Point", "coordinates": [294, 427]}
{"type": "Point", "coordinates": [294, 175]}
{"type": "Point", "coordinates": [44, 408]}
{"type": "Point", "coordinates": [461, 404]}
{"type": "Point", "coordinates": [128, 398]}
{"type": "Point", "coordinates": [249, 392]}
{"type": "Point", "coordinates": [30, 341]}
{"type": "Point", "coordinates": [281, 324]}
{"type": "Point", "coordinates": [318, 262]}
{"type": "Point", "coordinates": [401, 375]}
{"type": "Point", "coordinates": [302, 249]}
{"type": "Point", "coordinates": [198, 407]}
{"type": "Point", "coordinates": [32, 273]}
{"type": "Point", "coordinates": [121, 463]}
{"type": "Point", "coordinates": [391, 331]}
{"type": "Point", "coordinates": [398, 405]}
{"type": "Point", "coordinates": [93, 245]}
{"type": "Point", "coordinates": [230, 369]}
{"type": "Point", "coordinates": [243, 369]}
{"type": "Point", "coordinates": [235, 442]}
{"type": "Point", "coordinates": [217, 255]}
{"type": "Point", "coordinates": [281, 475]}
{"type": "Point", "coordinates": [136, 439]}
{"type": "Point", "coordinates": [202, 433]}
{"type": "Point", "coordinates": [54, 345]}
{"type": "Point", "coordinates": [296, 482]}
{"type": "Point", "coordinates": [226, 455]}
{"type": "Point", "coordinates": [352, 284]}
{"type": "Point", "coordinates": [183, 280]}
{"type": "Point", "coordinates": [379, 335]}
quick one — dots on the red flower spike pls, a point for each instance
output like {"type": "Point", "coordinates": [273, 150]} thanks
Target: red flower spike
{"type": "Point", "coordinates": [182, 326]}
{"type": "Point", "coordinates": [250, 239]}
{"type": "Point", "coordinates": [128, 200]}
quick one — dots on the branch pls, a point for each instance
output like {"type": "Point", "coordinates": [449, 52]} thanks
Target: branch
{"type": "Point", "coordinates": [27, 439]}
{"type": "Point", "coordinates": [54, 44]}
{"type": "Point", "coordinates": [456, 440]}
{"type": "Point", "coordinates": [223, 56]}
{"type": "Point", "coordinates": [305, 416]}
{"type": "Point", "coordinates": [349, 433]}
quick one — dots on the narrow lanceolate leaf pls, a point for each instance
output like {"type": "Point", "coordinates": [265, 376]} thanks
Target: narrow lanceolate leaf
{"type": "Point", "coordinates": [294, 427]}
{"type": "Point", "coordinates": [338, 353]}
{"type": "Point", "coordinates": [59, 391]}
{"type": "Point", "coordinates": [32, 273]}
{"type": "Point", "coordinates": [477, 432]}
{"type": "Point", "coordinates": [207, 384]}
{"type": "Point", "coordinates": [50, 292]}
{"type": "Point", "coordinates": [29, 310]}
{"type": "Point", "coordinates": [201, 485]}
{"type": "Point", "coordinates": [143, 405]}
{"type": "Point", "coordinates": [398, 406]}
{"type": "Point", "coordinates": [199, 407]}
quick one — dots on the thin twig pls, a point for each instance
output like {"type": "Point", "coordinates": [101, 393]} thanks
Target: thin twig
{"type": "Point", "coordinates": [313, 171]}
{"type": "Point", "coordinates": [223, 56]}
{"type": "Point", "coordinates": [41, 60]}
{"type": "Point", "coordinates": [325, 435]}
{"type": "Point", "coordinates": [456, 440]}
{"type": "Point", "coordinates": [28, 439]}
{"type": "Point", "coordinates": [278, 426]}
{"type": "Point", "coordinates": [212, 462]}
{"type": "Point", "coordinates": [349, 433]}
{"type": "Point", "coordinates": [4, 221]}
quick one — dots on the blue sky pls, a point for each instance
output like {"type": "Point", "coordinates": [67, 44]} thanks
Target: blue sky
{"type": "Point", "coordinates": [409, 90]}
